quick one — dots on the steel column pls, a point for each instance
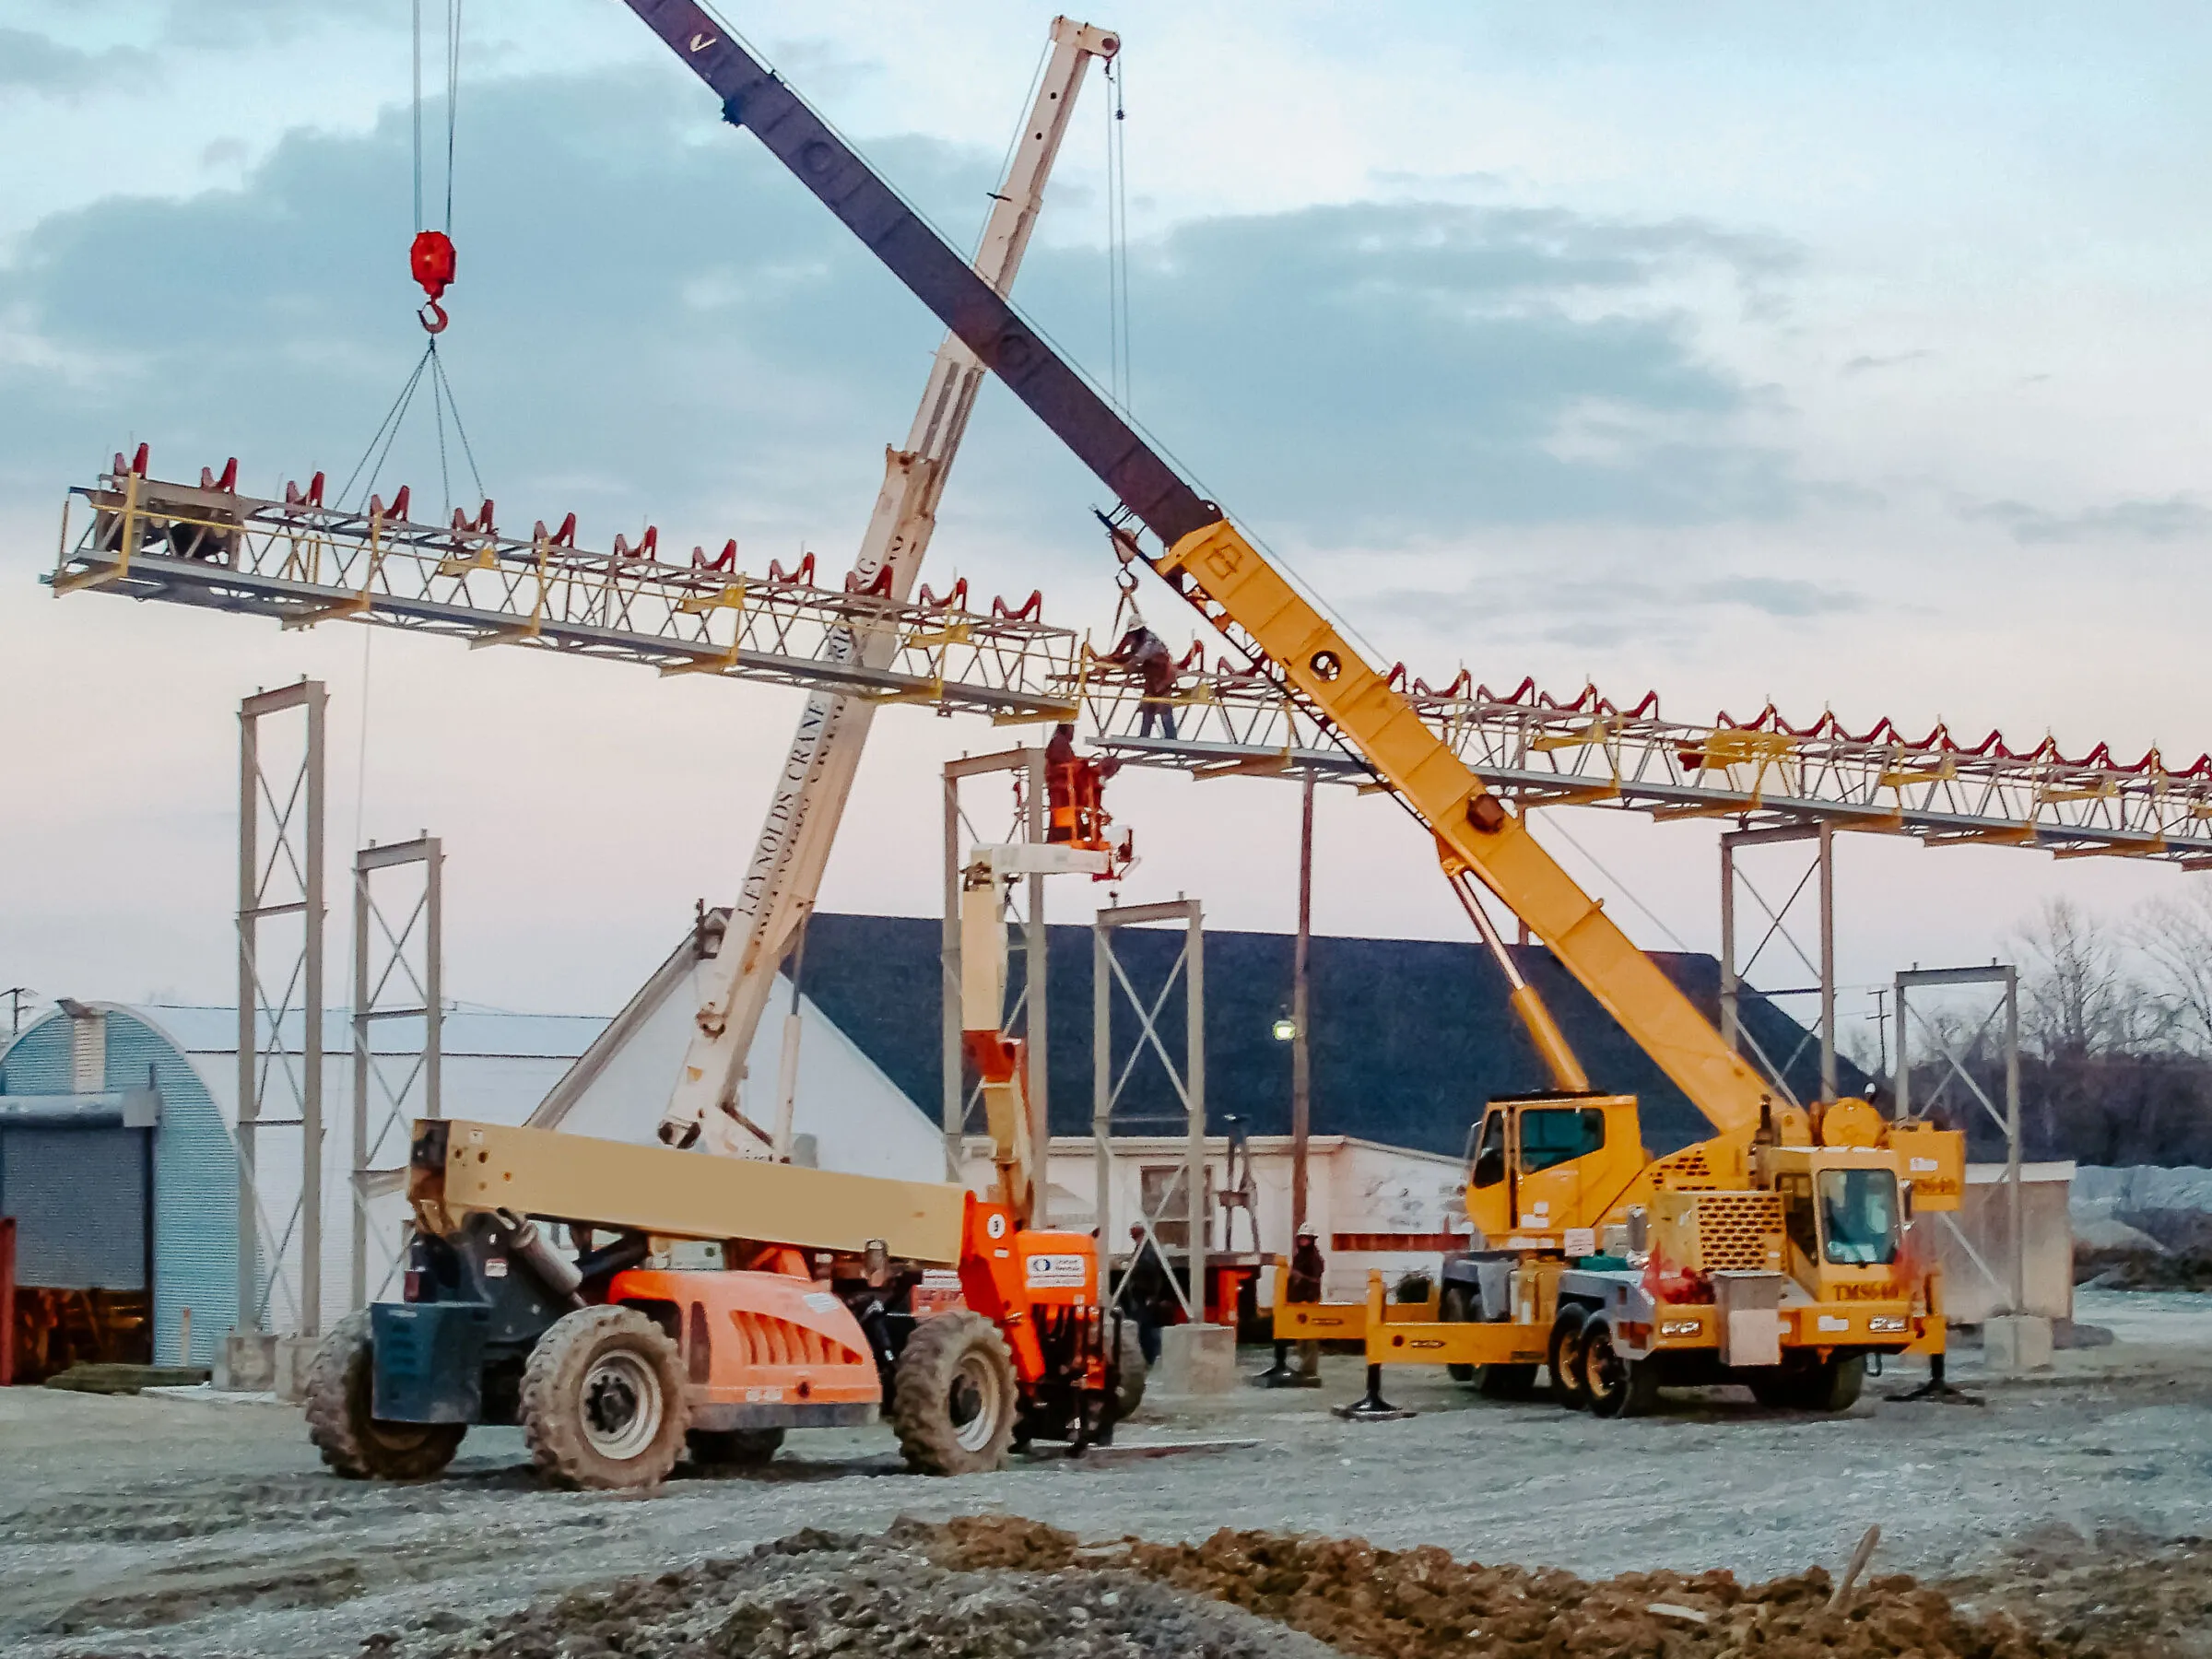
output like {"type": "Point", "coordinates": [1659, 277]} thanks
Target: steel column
{"type": "Point", "coordinates": [1301, 1076]}
{"type": "Point", "coordinates": [373, 1127]}
{"type": "Point", "coordinates": [1821, 964]}
{"type": "Point", "coordinates": [290, 869]}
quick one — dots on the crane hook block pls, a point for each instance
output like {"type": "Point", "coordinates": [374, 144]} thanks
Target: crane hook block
{"type": "Point", "coordinates": [431, 261]}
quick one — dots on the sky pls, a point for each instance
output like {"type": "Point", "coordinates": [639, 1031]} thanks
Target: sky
{"type": "Point", "coordinates": [1849, 358]}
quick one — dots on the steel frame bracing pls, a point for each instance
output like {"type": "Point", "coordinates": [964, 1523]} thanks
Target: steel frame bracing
{"type": "Point", "coordinates": [304, 563]}
{"type": "Point", "coordinates": [1955, 1056]}
{"type": "Point", "coordinates": [286, 882]}
{"type": "Point", "coordinates": [1536, 751]}
{"type": "Point", "coordinates": [1776, 923]}
{"type": "Point", "coordinates": [398, 974]}
{"type": "Point", "coordinates": [1110, 986]}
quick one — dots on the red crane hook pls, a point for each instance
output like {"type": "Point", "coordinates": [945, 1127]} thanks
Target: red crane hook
{"type": "Point", "coordinates": [431, 261]}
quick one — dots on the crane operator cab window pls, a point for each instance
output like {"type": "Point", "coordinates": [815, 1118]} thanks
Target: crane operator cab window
{"type": "Point", "coordinates": [1485, 1150]}
{"type": "Point", "coordinates": [1859, 1216]}
{"type": "Point", "coordinates": [1558, 1135]}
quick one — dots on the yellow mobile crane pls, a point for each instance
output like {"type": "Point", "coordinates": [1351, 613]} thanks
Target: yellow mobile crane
{"type": "Point", "coordinates": [1775, 1252]}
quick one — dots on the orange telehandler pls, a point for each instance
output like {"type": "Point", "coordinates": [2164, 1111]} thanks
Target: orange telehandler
{"type": "Point", "coordinates": [1774, 1252]}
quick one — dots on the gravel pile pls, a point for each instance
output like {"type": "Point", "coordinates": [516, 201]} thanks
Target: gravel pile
{"type": "Point", "coordinates": [822, 1593]}
{"type": "Point", "coordinates": [999, 1587]}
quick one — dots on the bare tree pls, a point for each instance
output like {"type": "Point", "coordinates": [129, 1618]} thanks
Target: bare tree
{"type": "Point", "coordinates": [2175, 937]}
{"type": "Point", "coordinates": [2078, 998]}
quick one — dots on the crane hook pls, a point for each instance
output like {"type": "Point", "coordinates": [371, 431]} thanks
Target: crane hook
{"type": "Point", "coordinates": [432, 317]}
{"type": "Point", "coordinates": [430, 261]}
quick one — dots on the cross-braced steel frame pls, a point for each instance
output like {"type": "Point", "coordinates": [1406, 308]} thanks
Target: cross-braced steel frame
{"type": "Point", "coordinates": [1780, 925]}
{"type": "Point", "coordinates": [1026, 1017]}
{"type": "Point", "coordinates": [1955, 1056]}
{"type": "Point", "coordinates": [1110, 985]}
{"type": "Point", "coordinates": [398, 976]}
{"type": "Point", "coordinates": [286, 882]}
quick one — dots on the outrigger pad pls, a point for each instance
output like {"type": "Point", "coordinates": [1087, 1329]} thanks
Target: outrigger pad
{"type": "Point", "coordinates": [1370, 1407]}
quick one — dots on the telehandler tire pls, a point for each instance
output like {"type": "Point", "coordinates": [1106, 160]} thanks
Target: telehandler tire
{"type": "Point", "coordinates": [1457, 1307]}
{"type": "Point", "coordinates": [1565, 1357]}
{"type": "Point", "coordinates": [1617, 1385]}
{"type": "Point", "coordinates": [339, 1393]}
{"type": "Point", "coordinates": [954, 1401]}
{"type": "Point", "coordinates": [603, 1403]}
{"type": "Point", "coordinates": [1129, 1361]}
{"type": "Point", "coordinates": [734, 1448]}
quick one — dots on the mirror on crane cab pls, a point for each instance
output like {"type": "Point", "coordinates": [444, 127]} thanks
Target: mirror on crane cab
{"type": "Point", "coordinates": [1548, 1164]}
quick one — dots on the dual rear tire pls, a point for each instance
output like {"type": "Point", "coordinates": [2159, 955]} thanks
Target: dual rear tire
{"type": "Point", "coordinates": [1590, 1372]}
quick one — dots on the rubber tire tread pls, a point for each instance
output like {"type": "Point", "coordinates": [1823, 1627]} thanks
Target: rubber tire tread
{"type": "Point", "coordinates": [550, 1411]}
{"type": "Point", "coordinates": [339, 1389]}
{"type": "Point", "coordinates": [1566, 1372]}
{"type": "Point", "coordinates": [1132, 1367]}
{"type": "Point", "coordinates": [734, 1448]}
{"type": "Point", "coordinates": [926, 1436]}
{"type": "Point", "coordinates": [1639, 1389]}
{"type": "Point", "coordinates": [1456, 1306]}
{"type": "Point", "coordinates": [1835, 1387]}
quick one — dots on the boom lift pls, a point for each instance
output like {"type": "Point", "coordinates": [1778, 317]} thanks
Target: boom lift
{"type": "Point", "coordinates": [1773, 1251]}
{"type": "Point", "coordinates": [816, 779]}
{"type": "Point", "coordinates": [612, 1366]}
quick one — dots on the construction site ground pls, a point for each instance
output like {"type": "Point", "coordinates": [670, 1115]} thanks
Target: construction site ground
{"type": "Point", "coordinates": [168, 1525]}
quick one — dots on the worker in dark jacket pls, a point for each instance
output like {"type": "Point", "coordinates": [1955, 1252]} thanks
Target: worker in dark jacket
{"type": "Point", "coordinates": [1147, 1294]}
{"type": "Point", "coordinates": [1307, 1265]}
{"type": "Point", "coordinates": [1146, 652]}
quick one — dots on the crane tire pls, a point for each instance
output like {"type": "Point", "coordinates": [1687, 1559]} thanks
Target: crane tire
{"type": "Point", "coordinates": [734, 1448]}
{"type": "Point", "coordinates": [340, 1387]}
{"type": "Point", "coordinates": [1834, 1385]}
{"type": "Point", "coordinates": [954, 1400]}
{"type": "Point", "coordinates": [1618, 1387]}
{"type": "Point", "coordinates": [1457, 1307]}
{"type": "Point", "coordinates": [1564, 1355]}
{"type": "Point", "coordinates": [604, 1405]}
{"type": "Point", "coordinates": [1129, 1373]}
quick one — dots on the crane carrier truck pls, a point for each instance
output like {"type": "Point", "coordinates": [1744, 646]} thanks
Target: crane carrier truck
{"type": "Point", "coordinates": [1774, 1252]}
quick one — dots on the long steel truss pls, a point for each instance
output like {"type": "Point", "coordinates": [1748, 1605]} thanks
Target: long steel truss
{"type": "Point", "coordinates": [1538, 751]}
{"type": "Point", "coordinates": [303, 562]}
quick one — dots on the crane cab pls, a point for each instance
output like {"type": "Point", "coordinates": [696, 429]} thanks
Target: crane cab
{"type": "Point", "coordinates": [1542, 1167]}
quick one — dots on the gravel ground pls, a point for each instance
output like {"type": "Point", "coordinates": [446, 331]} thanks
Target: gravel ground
{"type": "Point", "coordinates": [161, 1527]}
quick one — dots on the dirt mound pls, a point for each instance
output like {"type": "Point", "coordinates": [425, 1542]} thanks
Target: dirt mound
{"type": "Point", "coordinates": [1421, 1604]}
{"type": "Point", "coordinates": [1000, 1587]}
{"type": "Point", "coordinates": [819, 1594]}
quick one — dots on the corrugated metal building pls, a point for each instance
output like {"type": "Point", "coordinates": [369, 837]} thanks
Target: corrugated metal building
{"type": "Point", "coordinates": [119, 1168]}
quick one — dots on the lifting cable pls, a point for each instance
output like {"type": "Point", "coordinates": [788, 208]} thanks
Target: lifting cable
{"type": "Point", "coordinates": [1117, 241]}
{"type": "Point", "coordinates": [431, 262]}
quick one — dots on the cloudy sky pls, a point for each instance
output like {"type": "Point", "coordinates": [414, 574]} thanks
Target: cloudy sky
{"type": "Point", "coordinates": [1851, 357]}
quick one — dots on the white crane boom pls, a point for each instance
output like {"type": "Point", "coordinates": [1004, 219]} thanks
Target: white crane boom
{"type": "Point", "coordinates": [816, 779]}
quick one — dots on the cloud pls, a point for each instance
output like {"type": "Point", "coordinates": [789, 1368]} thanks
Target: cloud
{"type": "Point", "coordinates": [2172, 518]}
{"type": "Point", "coordinates": [1867, 363]}
{"type": "Point", "coordinates": [1610, 609]}
{"type": "Point", "coordinates": [650, 318]}
{"type": "Point", "coordinates": [36, 62]}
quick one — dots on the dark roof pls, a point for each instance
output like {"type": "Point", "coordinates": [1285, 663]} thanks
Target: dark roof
{"type": "Point", "coordinates": [1410, 1037]}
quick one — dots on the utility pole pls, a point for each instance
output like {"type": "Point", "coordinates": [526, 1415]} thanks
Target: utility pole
{"type": "Point", "coordinates": [15, 995]}
{"type": "Point", "coordinates": [1301, 1076]}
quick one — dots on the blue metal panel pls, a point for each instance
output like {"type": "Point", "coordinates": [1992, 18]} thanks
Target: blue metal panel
{"type": "Point", "coordinates": [196, 1188]}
